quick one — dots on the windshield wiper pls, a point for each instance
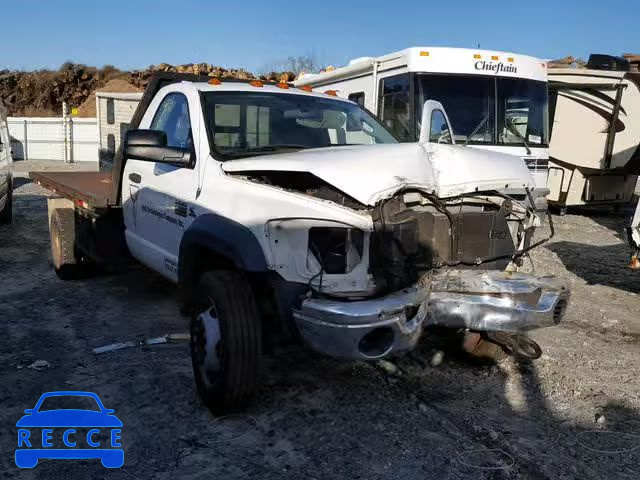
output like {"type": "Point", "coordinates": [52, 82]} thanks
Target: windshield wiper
{"type": "Point", "coordinates": [475, 130]}
{"type": "Point", "coordinates": [512, 128]}
{"type": "Point", "coordinates": [269, 148]}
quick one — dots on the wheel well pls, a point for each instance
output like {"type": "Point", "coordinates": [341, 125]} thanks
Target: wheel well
{"type": "Point", "coordinates": [193, 263]}
{"type": "Point", "coordinates": [275, 309]}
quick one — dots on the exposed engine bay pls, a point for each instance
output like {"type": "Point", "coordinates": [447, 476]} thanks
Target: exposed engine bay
{"type": "Point", "coordinates": [413, 232]}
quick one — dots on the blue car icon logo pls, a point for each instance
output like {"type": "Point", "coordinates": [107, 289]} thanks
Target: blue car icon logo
{"type": "Point", "coordinates": [86, 431]}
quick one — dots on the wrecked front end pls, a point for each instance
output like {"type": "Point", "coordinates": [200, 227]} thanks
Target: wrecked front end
{"type": "Point", "coordinates": [435, 262]}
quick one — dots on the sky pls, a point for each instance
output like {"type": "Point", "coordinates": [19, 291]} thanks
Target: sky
{"type": "Point", "coordinates": [257, 34]}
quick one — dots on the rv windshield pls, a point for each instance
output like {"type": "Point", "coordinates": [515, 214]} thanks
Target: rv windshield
{"type": "Point", "coordinates": [247, 124]}
{"type": "Point", "coordinates": [485, 110]}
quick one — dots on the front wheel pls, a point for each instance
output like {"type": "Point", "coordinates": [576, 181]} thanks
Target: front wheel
{"type": "Point", "coordinates": [225, 341]}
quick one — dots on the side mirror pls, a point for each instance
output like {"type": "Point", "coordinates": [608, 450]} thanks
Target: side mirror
{"type": "Point", "coordinates": [425, 125]}
{"type": "Point", "coordinates": [151, 146]}
{"type": "Point", "coordinates": [29, 411]}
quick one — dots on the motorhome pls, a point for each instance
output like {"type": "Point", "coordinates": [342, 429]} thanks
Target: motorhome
{"type": "Point", "coordinates": [595, 133]}
{"type": "Point", "coordinates": [496, 100]}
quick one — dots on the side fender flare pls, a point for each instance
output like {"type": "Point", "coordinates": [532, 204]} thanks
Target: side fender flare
{"type": "Point", "coordinates": [224, 237]}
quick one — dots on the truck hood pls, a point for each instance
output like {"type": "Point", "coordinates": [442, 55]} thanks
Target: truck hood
{"type": "Point", "coordinates": [369, 173]}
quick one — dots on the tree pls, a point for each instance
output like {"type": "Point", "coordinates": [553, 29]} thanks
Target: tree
{"type": "Point", "coordinates": [302, 63]}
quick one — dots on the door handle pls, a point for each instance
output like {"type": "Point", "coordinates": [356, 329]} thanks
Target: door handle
{"type": "Point", "coordinates": [135, 177]}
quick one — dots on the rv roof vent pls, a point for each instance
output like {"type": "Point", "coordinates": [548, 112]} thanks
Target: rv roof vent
{"type": "Point", "coordinates": [360, 59]}
{"type": "Point", "coordinates": [599, 61]}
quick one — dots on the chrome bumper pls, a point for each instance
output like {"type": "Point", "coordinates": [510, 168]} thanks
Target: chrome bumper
{"type": "Point", "coordinates": [476, 300]}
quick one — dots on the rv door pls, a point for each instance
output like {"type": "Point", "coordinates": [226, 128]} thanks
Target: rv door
{"type": "Point", "coordinates": [435, 126]}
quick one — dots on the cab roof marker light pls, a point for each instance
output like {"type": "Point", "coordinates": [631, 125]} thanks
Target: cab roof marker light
{"type": "Point", "coordinates": [495, 57]}
{"type": "Point", "coordinates": [510, 59]}
{"type": "Point", "coordinates": [477, 56]}
{"type": "Point", "coordinates": [282, 85]}
{"type": "Point", "coordinates": [333, 93]}
{"type": "Point", "coordinates": [306, 88]}
{"type": "Point", "coordinates": [214, 81]}
{"type": "Point", "coordinates": [256, 83]}
{"type": "Point", "coordinates": [424, 53]}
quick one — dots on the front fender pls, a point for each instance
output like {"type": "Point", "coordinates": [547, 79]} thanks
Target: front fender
{"type": "Point", "coordinates": [226, 238]}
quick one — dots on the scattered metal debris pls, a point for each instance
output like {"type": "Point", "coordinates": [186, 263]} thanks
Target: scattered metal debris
{"type": "Point", "coordinates": [143, 342]}
{"type": "Point", "coordinates": [39, 365]}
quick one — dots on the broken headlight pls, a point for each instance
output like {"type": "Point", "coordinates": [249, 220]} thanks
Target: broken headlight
{"type": "Point", "coordinates": [337, 250]}
{"type": "Point", "coordinates": [329, 256]}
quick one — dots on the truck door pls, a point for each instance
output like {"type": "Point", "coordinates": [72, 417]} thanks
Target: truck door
{"type": "Point", "coordinates": [158, 205]}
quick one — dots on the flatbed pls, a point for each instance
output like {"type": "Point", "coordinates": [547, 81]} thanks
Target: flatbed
{"type": "Point", "coordinates": [86, 189]}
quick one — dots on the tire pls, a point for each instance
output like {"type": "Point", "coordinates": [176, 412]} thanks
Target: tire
{"type": "Point", "coordinates": [225, 358]}
{"type": "Point", "coordinates": [63, 232]}
{"type": "Point", "coordinates": [7, 212]}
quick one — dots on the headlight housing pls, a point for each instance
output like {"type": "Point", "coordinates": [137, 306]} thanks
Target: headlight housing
{"type": "Point", "coordinates": [330, 256]}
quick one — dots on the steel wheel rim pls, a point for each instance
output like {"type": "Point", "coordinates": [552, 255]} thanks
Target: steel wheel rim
{"type": "Point", "coordinates": [207, 345]}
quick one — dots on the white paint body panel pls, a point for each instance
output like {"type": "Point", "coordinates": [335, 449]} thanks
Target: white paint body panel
{"type": "Point", "coordinates": [371, 172]}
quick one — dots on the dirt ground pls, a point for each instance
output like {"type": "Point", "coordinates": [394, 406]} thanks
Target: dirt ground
{"type": "Point", "coordinates": [572, 414]}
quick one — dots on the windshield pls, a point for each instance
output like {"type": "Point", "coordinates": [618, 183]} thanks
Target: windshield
{"type": "Point", "coordinates": [488, 110]}
{"type": "Point", "coordinates": [247, 124]}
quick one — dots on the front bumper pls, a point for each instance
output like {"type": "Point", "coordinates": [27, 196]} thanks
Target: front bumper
{"type": "Point", "coordinates": [473, 299]}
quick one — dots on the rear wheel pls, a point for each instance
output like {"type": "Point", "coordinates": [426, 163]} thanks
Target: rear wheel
{"type": "Point", "coordinates": [67, 265]}
{"type": "Point", "coordinates": [7, 212]}
{"type": "Point", "coordinates": [225, 341]}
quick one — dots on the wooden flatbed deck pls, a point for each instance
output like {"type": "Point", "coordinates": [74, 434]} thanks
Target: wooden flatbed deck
{"type": "Point", "coordinates": [92, 188]}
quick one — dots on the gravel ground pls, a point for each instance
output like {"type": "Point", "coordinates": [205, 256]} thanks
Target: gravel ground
{"type": "Point", "coordinates": [574, 413]}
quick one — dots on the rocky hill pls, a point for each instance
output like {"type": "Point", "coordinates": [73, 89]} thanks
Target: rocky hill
{"type": "Point", "coordinates": [42, 92]}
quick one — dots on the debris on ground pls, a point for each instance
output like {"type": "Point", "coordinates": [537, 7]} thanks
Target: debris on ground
{"type": "Point", "coordinates": [143, 342]}
{"type": "Point", "coordinates": [39, 365]}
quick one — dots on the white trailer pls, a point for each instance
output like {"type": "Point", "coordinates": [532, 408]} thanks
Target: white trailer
{"type": "Point", "coordinates": [595, 133]}
{"type": "Point", "coordinates": [496, 100]}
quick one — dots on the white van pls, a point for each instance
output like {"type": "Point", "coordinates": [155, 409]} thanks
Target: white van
{"type": "Point", "coordinates": [6, 178]}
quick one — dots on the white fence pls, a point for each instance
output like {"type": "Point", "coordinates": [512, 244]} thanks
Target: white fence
{"type": "Point", "coordinates": [42, 138]}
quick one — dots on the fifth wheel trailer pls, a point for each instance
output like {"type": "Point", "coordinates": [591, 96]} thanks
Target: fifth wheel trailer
{"type": "Point", "coordinates": [595, 133]}
{"type": "Point", "coordinates": [496, 100]}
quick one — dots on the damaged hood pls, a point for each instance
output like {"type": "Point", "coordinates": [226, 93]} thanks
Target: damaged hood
{"type": "Point", "coordinates": [369, 173]}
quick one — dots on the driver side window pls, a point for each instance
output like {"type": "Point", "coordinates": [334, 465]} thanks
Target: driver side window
{"type": "Point", "coordinates": [439, 132]}
{"type": "Point", "coordinates": [172, 117]}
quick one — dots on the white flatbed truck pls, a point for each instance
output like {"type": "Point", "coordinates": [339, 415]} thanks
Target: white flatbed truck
{"type": "Point", "coordinates": [283, 211]}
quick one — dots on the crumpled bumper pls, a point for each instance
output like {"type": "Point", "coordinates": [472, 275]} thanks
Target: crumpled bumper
{"type": "Point", "coordinates": [473, 299]}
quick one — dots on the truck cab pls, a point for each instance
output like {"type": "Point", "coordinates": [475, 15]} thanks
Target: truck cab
{"type": "Point", "coordinates": [284, 213]}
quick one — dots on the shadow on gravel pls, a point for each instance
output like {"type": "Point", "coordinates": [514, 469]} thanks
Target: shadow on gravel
{"type": "Point", "coordinates": [599, 265]}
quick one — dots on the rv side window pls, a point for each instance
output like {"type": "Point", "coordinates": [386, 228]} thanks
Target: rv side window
{"type": "Point", "coordinates": [439, 132]}
{"type": "Point", "coordinates": [393, 107]}
{"type": "Point", "coordinates": [357, 97]}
